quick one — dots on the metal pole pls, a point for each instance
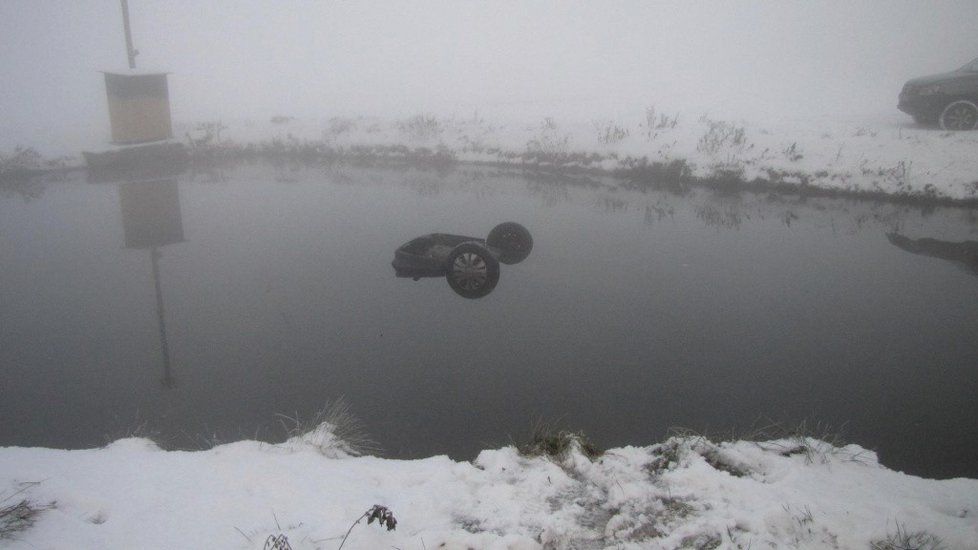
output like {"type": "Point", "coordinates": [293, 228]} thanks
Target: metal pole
{"type": "Point", "coordinates": [130, 51]}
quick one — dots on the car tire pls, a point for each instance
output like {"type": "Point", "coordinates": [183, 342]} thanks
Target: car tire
{"type": "Point", "coordinates": [471, 270]}
{"type": "Point", "coordinates": [511, 241]}
{"type": "Point", "coordinates": [959, 115]}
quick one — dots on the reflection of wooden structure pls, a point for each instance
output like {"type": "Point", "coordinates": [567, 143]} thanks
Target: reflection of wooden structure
{"type": "Point", "coordinates": [151, 215]}
{"type": "Point", "coordinates": [151, 219]}
{"type": "Point", "coordinates": [139, 107]}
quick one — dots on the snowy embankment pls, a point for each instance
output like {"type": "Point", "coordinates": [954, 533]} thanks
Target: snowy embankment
{"type": "Point", "coordinates": [872, 157]}
{"type": "Point", "coordinates": [684, 493]}
{"type": "Point", "coordinates": [862, 158]}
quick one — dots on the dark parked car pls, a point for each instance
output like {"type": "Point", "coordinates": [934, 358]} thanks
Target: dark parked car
{"type": "Point", "coordinates": [948, 99]}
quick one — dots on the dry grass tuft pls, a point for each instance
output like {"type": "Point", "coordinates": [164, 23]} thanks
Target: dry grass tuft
{"type": "Point", "coordinates": [334, 430]}
{"type": "Point", "coordinates": [905, 540]}
{"type": "Point", "coordinates": [20, 516]}
{"type": "Point", "coordinates": [547, 439]}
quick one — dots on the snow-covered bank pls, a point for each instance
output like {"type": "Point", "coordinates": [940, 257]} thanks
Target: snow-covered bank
{"type": "Point", "coordinates": [858, 157]}
{"type": "Point", "coordinates": [684, 493]}
{"type": "Point", "coordinates": [879, 157]}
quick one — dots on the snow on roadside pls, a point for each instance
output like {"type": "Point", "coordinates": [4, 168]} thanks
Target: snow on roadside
{"type": "Point", "coordinates": [684, 493]}
{"type": "Point", "coordinates": [854, 156]}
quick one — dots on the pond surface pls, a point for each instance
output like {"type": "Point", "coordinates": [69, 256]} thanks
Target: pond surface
{"type": "Point", "coordinates": [201, 306]}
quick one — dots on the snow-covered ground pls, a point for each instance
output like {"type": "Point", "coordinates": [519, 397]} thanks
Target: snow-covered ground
{"type": "Point", "coordinates": [857, 156]}
{"type": "Point", "coordinates": [862, 156]}
{"type": "Point", "coordinates": [684, 493]}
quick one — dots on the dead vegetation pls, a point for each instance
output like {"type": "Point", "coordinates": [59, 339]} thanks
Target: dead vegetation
{"type": "Point", "coordinates": [549, 440]}
{"type": "Point", "coordinates": [902, 539]}
{"type": "Point", "coordinates": [334, 430]}
{"type": "Point", "coordinates": [21, 514]}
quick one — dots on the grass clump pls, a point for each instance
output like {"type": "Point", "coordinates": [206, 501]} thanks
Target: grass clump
{"type": "Point", "coordinates": [549, 440]}
{"type": "Point", "coordinates": [21, 515]}
{"type": "Point", "coordinates": [906, 540]}
{"type": "Point", "coordinates": [701, 541]}
{"type": "Point", "coordinates": [22, 159]}
{"type": "Point", "coordinates": [333, 431]}
{"type": "Point", "coordinates": [815, 440]}
{"type": "Point", "coordinates": [277, 542]}
{"type": "Point", "coordinates": [24, 162]}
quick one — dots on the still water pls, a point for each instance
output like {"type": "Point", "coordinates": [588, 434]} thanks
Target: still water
{"type": "Point", "coordinates": [200, 306]}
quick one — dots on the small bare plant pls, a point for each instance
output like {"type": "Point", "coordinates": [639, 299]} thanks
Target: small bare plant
{"type": "Point", "coordinates": [209, 134]}
{"type": "Point", "coordinates": [721, 135]}
{"type": "Point", "coordinates": [898, 175]}
{"type": "Point", "coordinates": [906, 540]}
{"type": "Point", "coordinates": [793, 152]}
{"type": "Point", "coordinates": [658, 121]}
{"type": "Point", "coordinates": [383, 515]}
{"type": "Point", "coordinates": [610, 133]}
{"type": "Point", "coordinates": [341, 125]}
{"type": "Point", "coordinates": [421, 127]}
{"type": "Point", "coordinates": [550, 142]}
{"type": "Point", "coordinates": [804, 519]}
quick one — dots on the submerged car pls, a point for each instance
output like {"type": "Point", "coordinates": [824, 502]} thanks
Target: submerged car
{"type": "Point", "coordinates": [470, 264]}
{"type": "Point", "coordinates": [947, 99]}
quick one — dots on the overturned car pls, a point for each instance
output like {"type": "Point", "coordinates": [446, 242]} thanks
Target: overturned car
{"type": "Point", "coordinates": [469, 264]}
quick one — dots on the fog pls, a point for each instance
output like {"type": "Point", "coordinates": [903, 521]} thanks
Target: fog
{"type": "Point", "coordinates": [258, 58]}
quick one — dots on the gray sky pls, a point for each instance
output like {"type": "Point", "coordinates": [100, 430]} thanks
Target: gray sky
{"type": "Point", "coordinates": [254, 58]}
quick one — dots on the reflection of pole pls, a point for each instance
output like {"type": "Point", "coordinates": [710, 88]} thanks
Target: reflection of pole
{"type": "Point", "coordinates": [154, 254]}
{"type": "Point", "coordinates": [130, 51]}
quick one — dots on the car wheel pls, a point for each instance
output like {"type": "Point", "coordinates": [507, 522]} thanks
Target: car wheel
{"type": "Point", "coordinates": [959, 115]}
{"type": "Point", "coordinates": [471, 270]}
{"type": "Point", "coordinates": [512, 241]}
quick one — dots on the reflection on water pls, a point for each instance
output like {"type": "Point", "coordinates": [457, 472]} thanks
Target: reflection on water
{"type": "Point", "coordinates": [637, 310]}
{"type": "Point", "coordinates": [151, 219]}
{"type": "Point", "coordinates": [964, 253]}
